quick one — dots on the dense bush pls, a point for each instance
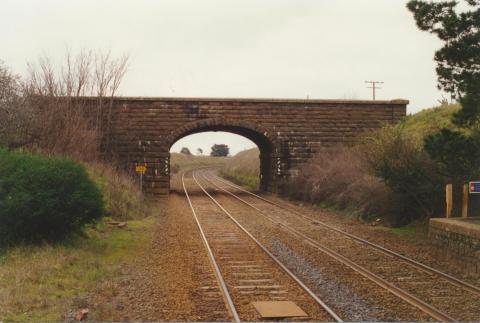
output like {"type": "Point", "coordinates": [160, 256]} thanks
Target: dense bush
{"type": "Point", "coordinates": [406, 168]}
{"type": "Point", "coordinates": [44, 198]}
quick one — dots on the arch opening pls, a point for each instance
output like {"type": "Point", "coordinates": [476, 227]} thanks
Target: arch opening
{"type": "Point", "coordinates": [265, 145]}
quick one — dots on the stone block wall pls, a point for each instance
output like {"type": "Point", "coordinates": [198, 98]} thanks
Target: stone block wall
{"type": "Point", "coordinates": [460, 238]}
{"type": "Point", "coordinates": [287, 132]}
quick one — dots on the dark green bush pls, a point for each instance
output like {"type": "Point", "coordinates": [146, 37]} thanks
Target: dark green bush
{"type": "Point", "coordinates": [405, 167]}
{"type": "Point", "coordinates": [44, 198]}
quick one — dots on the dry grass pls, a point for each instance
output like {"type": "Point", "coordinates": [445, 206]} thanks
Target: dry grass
{"type": "Point", "coordinates": [121, 192]}
{"type": "Point", "coordinates": [184, 162]}
{"type": "Point", "coordinates": [244, 168]}
{"type": "Point", "coordinates": [38, 283]}
{"type": "Point", "coordinates": [246, 161]}
{"type": "Point", "coordinates": [340, 178]}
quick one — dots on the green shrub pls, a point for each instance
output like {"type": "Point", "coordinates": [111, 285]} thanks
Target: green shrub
{"type": "Point", "coordinates": [405, 167]}
{"type": "Point", "coordinates": [44, 199]}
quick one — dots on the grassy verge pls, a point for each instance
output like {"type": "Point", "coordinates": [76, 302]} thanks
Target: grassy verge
{"type": "Point", "coordinates": [38, 283]}
{"type": "Point", "coordinates": [245, 179]}
{"type": "Point", "coordinates": [121, 194]}
{"type": "Point", "coordinates": [41, 282]}
{"type": "Point", "coordinates": [243, 169]}
{"type": "Point", "coordinates": [418, 229]}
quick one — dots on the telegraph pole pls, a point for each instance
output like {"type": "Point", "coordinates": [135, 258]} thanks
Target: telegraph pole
{"type": "Point", "coordinates": [373, 87]}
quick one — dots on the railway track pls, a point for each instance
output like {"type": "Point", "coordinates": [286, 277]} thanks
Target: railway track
{"type": "Point", "coordinates": [440, 295]}
{"type": "Point", "coordinates": [247, 273]}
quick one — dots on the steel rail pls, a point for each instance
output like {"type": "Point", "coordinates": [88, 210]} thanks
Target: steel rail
{"type": "Point", "coordinates": [226, 295]}
{"type": "Point", "coordinates": [406, 296]}
{"type": "Point", "coordinates": [451, 279]}
{"type": "Point", "coordinates": [280, 264]}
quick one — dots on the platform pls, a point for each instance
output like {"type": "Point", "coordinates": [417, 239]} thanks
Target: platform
{"type": "Point", "coordinates": [459, 234]}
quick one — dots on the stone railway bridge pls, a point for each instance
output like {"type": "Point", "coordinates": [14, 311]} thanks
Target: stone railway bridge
{"type": "Point", "coordinates": [287, 131]}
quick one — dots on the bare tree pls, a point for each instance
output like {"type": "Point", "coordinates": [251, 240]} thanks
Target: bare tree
{"type": "Point", "coordinates": [60, 120]}
{"type": "Point", "coordinates": [15, 116]}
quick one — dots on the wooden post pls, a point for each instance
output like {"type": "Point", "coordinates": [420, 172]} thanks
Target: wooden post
{"type": "Point", "coordinates": [465, 201]}
{"type": "Point", "coordinates": [449, 199]}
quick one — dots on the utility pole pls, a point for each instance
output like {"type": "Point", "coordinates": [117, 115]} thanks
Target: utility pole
{"type": "Point", "coordinates": [373, 87]}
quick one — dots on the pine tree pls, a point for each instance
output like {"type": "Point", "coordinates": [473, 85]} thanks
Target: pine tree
{"type": "Point", "coordinates": [458, 61]}
{"type": "Point", "coordinates": [458, 70]}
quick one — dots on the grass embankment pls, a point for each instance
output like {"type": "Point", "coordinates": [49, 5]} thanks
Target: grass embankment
{"type": "Point", "coordinates": [243, 168]}
{"type": "Point", "coordinates": [185, 162]}
{"type": "Point", "coordinates": [39, 283]}
{"type": "Point", "coordinates": [429, 121]}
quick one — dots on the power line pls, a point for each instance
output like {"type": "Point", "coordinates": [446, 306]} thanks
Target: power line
{"type": "Point", "coordinates": [374, 86]}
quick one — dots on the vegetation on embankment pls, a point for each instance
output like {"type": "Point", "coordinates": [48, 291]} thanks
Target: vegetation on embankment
{"type": "Point", "coordinates": [60, 201]}
{"type": "Point", "coordinates": [51, 199]}
{"type": "Point", "coordinates": [428, 121]}
{"type": "Point", "coordinates": [386, 175]}
{"type": "Point", "coordinates": [40, 282]}
{"type": "Point", "coordinates": [243, 168]}
{"type": "Point", "coordinates": [180, 161]}
{"type": "Point", "coordinates": [121, 193]}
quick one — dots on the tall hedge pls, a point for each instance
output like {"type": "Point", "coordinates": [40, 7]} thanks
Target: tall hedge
{"type": "Point", "coordinates": [44, 198]}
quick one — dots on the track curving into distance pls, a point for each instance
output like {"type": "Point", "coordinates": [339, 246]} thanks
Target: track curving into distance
{"type": "Point", "coordinates": [246, 271]}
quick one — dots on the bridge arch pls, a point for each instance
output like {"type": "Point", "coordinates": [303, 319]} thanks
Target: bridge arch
{"type": "Point", "coordinates": [266, 140]}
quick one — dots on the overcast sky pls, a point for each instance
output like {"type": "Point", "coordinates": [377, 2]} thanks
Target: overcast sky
{"type": "Point", "coordinates": [245, 48]}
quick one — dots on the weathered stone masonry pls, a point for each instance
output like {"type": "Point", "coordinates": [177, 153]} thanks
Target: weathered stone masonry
{"type": "Point", "coordinates": [287, 132]}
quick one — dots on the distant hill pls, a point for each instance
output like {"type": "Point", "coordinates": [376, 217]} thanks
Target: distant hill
{"type": "Point", "coordinates": [246, 160]}
{"type": "Point", "coordinates": [181, 161]}
{"type": "Point", "coordinates": [244, 168]}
